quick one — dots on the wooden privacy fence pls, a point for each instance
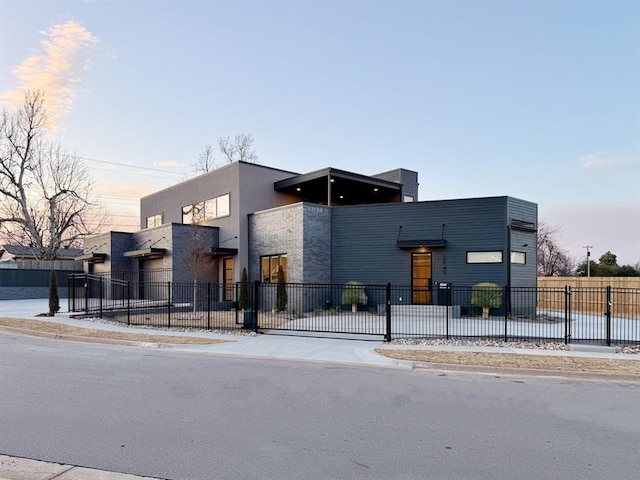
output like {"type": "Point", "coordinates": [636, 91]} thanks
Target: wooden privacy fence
{"type": "Point", "coordinates": [589, 295]}
{"type": "Point", "coordinates": [594, 282]}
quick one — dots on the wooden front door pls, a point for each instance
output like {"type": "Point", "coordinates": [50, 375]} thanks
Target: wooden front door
{"type": "Point", "coordinates": [421, 278]}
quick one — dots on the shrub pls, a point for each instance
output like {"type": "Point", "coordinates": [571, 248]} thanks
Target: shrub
{"type": "Point", "coordinates": [353, 294]}
{"type": "Point", "coordinates": [243, 296]}
{"type": "Point", "coordinates": [486, 295]}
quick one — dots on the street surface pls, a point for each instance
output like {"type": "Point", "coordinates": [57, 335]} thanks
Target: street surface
{"type": "Point", "coordinates": [192, 416]}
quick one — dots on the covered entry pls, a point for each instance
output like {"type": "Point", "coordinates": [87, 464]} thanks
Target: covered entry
{"type": "Point", "coordinates": [421, 265]}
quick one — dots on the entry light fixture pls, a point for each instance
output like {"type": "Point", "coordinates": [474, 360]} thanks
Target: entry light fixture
{"type": "Point", "coordinates": [298, 189]}
{"type": "Point", "coordinates": [375, 189]}
{"type": "Point", "coordinates": [332, 180]}
{"type": "Point", "coordinates": [341, 197]}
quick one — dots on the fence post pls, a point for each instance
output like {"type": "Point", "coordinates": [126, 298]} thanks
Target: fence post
{"type": "Point", "coordinates": [208, 305]}
{"type": "Point", "coordinates": [449, 303]}
{"type": "Point", "coordinates": [128, 302]}
{"type": "Point", "coordinates": [168, 304]}
{"type": "Point", "coordinates": [387, 335]}
{"type": "Point", "coordinates": [567, 313]}
{"type": "Point", "coordinates": [86, 293]}
{"type": "Point", "coordinates": [100, 300]}
{"type": "Point", "coordinates": [507, 296]}
{"type": "Point", "coordinates": [608, 313]}
{"type": "Point", "coordinates": [256, 302]}
{"type": "Point", "coordinates": [236, 305]}
{"type": "Point", "coordinates": [70, 297]}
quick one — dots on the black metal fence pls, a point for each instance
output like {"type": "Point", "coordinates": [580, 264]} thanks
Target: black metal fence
{"type": "Point", "coordinates": [595, 315]}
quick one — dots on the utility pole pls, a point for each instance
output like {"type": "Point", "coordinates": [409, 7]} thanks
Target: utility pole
{"type": "Point", "coordinates": [588, 263]}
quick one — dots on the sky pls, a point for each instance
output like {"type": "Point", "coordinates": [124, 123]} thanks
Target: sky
{"type": "Point", "coordinates": [536, 99]}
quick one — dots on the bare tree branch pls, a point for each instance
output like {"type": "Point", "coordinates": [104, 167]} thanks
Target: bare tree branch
{"type": "Point", "coordinates": [46, 191]}
{"type": "Point", "coordinates": [238, 149]}
{"type": "Point", "coordinates": [552, 260]}
{"type": "Point", "coordinates": [206, 161]}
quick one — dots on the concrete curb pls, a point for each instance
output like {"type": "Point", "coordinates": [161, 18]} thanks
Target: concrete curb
{"type": "Point", "coordinates": [528, 372]}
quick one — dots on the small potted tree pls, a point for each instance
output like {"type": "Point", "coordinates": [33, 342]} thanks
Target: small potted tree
{"type": "Point", "coordinates": [248, 321]}
{"type": "Point", "coordinates": [486, 295]}
{"type": "Point", "coordinates": [353, 294]}
{"type": "Point", "coordinates": [281, 292]}
{"type": "Point", "coordinates": [243, 296]}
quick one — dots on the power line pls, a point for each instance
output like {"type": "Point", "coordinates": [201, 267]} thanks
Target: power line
{"type": "Point", "coordinates": [138, 174]}
{"type": "Point", "coordinates": [120, 164]}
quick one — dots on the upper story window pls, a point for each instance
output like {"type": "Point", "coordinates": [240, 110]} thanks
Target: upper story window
{"type": "Point", "coordinates": [154, 220]}
{"type": "Point", "coordinates": [484, 257]}
{"type": "Point", "coordinates": [408, 198]}
{"type": "Point", "coordinates": [208, 210]}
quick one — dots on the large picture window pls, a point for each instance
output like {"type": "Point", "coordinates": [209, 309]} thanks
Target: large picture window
{"type": "Point", "coordinates": [208, 210]}
{"type": "Point", "coordinates": [269, 267]}
{"type": "Point", "coordinates": [484, 257]}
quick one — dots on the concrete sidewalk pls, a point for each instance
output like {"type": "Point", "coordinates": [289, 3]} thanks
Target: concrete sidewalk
{"type": "Point", "coordinates": [285, 347]}
{"type": "Point", "coordinates": [302, 346]}
{"type": "Point", "coordinates": [15, 468]}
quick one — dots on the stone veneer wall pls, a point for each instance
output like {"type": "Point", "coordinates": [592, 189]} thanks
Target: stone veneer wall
{"type": "Point", "coordinates": [301, 231]}
{"type": "Point", "coordinates": [277, 231]}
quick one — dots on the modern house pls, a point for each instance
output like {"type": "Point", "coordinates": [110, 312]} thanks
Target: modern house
{"type": "Point", "coordinates": [20, 253]}
{"type": "Point", "coordinates": [326, 226]}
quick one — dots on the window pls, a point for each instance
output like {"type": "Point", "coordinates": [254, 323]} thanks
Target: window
{"type": "Point", "coordinates": [154, 220]}
{"type": "Point", "coordinates": [519, 257]}
{"type": "Point", "coordinates": [269, 268]}
{"type": "Point", "coordinates": [484, 257]}
{"type": "Point", "coordinates": [208, 210]}
{"type": "Point", "coordinates": [192, 213]}
{"type": "Point", "coordinates": [222, 206]}
{"type": "Point", "coordinates": [408, 198]}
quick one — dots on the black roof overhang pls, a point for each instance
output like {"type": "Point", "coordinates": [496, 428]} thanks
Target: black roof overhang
{"type": "Point", "coordinates": [146, 253]}
{"type": "Point", "coordinates": [92, 257]}
{"type": "Point", "coordinates": [428, 243]}
{"type": "Point", "coordinates": [223, 252]}
{"type": "Point", "coordinates": [347, 188]}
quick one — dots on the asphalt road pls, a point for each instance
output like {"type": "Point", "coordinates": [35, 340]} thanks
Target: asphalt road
{"type": "Point", "coordinates": [186, 416]}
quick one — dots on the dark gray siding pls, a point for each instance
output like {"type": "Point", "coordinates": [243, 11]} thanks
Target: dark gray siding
{"type": "Point", "coordinates": [407, 178]}
{"type": "Point", "coordinates": [364, 240]}
{"type": "Point", "coordinates": [523, 275]}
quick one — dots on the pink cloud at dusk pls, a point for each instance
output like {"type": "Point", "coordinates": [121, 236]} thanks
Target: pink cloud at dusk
{"type": "Point", "coordinates": [56, 70]}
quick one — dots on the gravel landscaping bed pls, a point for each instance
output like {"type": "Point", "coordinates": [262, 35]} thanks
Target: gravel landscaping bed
{"type": "Point", "coordinates": [499, 343]}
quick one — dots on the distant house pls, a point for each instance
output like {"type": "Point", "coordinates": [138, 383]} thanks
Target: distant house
{"type": "Point", "coordinates": [18, 253]}
{"type": "Point", "coordinates": [23, 275]}
{"type": "Point", "coordinates": [326, 226]}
